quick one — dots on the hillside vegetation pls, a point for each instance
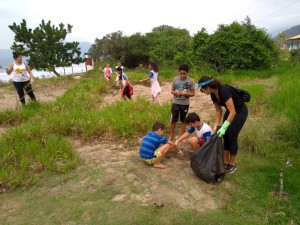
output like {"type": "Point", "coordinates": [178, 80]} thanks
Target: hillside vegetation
{"type": "Point", "coordinates": [38, 156]}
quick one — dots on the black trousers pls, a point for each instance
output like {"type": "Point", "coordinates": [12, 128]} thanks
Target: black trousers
{"type": "Point", "coordinates": [20, 87]}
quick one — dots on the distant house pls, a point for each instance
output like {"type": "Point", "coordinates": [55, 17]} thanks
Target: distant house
{"type": "Point", "coordinates": [294, 42]}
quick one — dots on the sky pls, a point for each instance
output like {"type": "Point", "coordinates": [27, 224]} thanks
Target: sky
{"type": "Point", "coordinates": [93, 19]}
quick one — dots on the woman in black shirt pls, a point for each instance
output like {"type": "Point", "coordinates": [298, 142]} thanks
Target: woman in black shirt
{"type": "Point", "coordinates": [233, 119]}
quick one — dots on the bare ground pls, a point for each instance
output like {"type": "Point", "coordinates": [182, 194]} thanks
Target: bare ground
{"type": "Point", "coordinates": [120, 163]}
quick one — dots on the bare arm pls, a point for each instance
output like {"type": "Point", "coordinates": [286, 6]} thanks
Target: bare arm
{"type": "Point", "coordinates": [231, 109]}
{"type": "Point", "coordinates": [9, 69]}
{"type": "Point", "coordinates": [29, 71]}
{"type": "Point", "coordinates": [184, 136]}
{"type": "Point", "coordinates": [141, 81]}
{"type": "Point", "coordinates": [177, 92]}
{"type": "Point", "coordinates": [218, 116]}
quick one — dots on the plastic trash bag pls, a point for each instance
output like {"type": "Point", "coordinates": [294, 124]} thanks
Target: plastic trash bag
{"type": "Point", "coordinates": [208, 162]}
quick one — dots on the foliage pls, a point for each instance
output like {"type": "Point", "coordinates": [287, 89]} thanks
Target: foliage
{"type": "Point", "coordinates": [239, 46]}
{"type": "Point", "coordinates": [169, 45]}
{"type": "Point", "coordinates": [45, 45]}
{"type": "Point", "coordinates": [295, 55]}
{"type": "Point", "coordinates": [39, 143]}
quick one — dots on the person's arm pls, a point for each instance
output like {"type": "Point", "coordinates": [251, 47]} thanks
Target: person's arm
{"type": "Point", "coordinates": [207, 135]}
{"type": "Point", "coordinates": [230, 107]}
{"type": "Point", "coordinates": [218, 116]}
{"type": "Point", "coordinates": [184, 136]}
{"type": "Point", "coordinates": [126, 79]}
{"type": "Point", "coordinates": [29, 72]}
{"type": "Point", "coordinates": [9, 69]}
{"type": "Point", "coordinates": [143, 80]}
{"type": "Point", "coordinates": [189, 94]}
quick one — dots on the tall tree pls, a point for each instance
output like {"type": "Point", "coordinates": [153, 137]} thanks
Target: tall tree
{"type": "Point", "coordinates": [240, 46]}
{"type": "Point", "coordinates": [45, 45]}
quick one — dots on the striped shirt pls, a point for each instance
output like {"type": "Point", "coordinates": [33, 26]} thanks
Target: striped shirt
{"type": "Point", "coordinates": [150, 143]}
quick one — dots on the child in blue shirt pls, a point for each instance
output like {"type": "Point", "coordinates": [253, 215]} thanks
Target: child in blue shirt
{"type": "Point", "coordinates": [155, 146]}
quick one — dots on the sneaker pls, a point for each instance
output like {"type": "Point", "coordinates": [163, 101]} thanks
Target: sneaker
{"type": "Point", "coordinates": [225, 165]}
{"type": "Point", "coordinates": [230, 168]}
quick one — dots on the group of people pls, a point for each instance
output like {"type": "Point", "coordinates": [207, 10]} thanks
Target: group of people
{"type": "Point", "coordinates": [121, 79]}
{"type": "Point", "coordinates": [155, 146]}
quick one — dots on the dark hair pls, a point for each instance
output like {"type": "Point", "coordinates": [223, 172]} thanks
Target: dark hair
{"type": "Point", "coordinates": [192, 118]}
{"type": "Point", "coordinates": [16, 54]}
{"type": "Point", "coordinates": [119, 69]}
{"type": "Point", "coordinates": [154, 66]}
{"type": "Point", "coordinates": [183, 67]}
{"type": "Point", "coordinates": [215, 83]}
{"type": "Point", "coordinates": [158, 125]}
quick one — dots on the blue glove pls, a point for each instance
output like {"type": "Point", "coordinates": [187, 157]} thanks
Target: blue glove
{"type": "Point", "coordinates": [223, 129]}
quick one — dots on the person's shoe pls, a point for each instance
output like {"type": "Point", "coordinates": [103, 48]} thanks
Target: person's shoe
{"type": "Point", "coordinates": [230, 168]}
{"type": "Point", "coordinates": [225, 165]}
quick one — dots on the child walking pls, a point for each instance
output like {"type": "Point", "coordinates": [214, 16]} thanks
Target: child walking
{"type": "Point", "coordinates": [153, 77]}
{"type": "Point", "coordinates": [107, 74]}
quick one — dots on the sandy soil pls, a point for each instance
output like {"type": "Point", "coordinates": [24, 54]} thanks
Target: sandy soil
{"type": "Point", "coordinates": [121, 164]}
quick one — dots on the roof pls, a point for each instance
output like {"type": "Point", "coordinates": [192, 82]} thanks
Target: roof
{"type": "Point", "coordinates": [295, 37]}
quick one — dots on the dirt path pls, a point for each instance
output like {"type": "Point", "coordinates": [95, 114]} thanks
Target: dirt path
{"type": "Point", "coordinates": [121, 166]}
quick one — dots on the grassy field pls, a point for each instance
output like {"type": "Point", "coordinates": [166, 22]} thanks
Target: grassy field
{"type": "Point", "coordinates": [44, 181]}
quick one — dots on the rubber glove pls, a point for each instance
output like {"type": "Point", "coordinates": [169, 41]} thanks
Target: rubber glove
{"type": "Point", "coordinates": [223, 128]}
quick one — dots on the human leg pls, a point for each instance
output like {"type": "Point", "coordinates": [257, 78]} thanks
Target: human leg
{"type": "Point", "coordinates": [29, 91]}
{"type": "Point", "coordinates": [164, 149]}
{"type": "Point", "coordinates": [182, 128]}
{"type": "Point", "coordinates": [20, 90]}
{"type": "Point", "coordinates": [172, 130]}
{"type": "Point", "coordinates": [231, 139]}
{"type": "Point", "coordinates": [183, 112]}
{"type": "Point", "coordinates": [193, 141]}
{"type": "Point", "coordinates": [173, 120]}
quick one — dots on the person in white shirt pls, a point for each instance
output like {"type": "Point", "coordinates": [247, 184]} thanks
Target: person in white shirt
{"type": "Point", "coordinates": [22, 77]}
{"type": "Point", "coordinates": [202, 129]}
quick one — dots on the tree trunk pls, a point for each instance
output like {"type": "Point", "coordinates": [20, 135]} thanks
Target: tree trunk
{"type": "Point", "coordinates": [56, 73]}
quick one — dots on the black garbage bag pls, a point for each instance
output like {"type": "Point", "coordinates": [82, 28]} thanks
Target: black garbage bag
{"type": "Point", "coordinates": [208, 162]}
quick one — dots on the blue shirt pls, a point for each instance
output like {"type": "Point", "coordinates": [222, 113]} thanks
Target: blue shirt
{"type": "Point", "coordinates": [150, 143]}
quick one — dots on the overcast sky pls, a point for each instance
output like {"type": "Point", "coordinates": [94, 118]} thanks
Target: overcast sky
{"type": "Point", "coordinates": [93, 19]}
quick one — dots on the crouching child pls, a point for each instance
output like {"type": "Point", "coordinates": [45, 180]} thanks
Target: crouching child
{"type": "Point", "coordinates": [155, 146]}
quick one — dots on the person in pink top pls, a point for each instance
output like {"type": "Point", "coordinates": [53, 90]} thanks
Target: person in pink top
{"type": "Point", "coordinates": [107, 74]}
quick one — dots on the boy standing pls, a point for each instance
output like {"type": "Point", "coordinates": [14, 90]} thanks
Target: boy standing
{"type": "Point", "coordinates": [202, 129]}
{"type": "Point", "coordinates": [183, 88]}
{"type": "Point", "coordinates": [155, 146]}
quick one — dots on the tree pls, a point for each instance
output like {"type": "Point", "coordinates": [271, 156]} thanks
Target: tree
{"type": "Point", "coordinates": [45, 46]}
{"type": "Point", "coordinates": [240, 46]}
{"type": "Point", "coordinates": [168, 45]}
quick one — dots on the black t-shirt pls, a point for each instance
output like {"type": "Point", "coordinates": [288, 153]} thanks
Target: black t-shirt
{"type": "Point", "coordinates": [226, 92]}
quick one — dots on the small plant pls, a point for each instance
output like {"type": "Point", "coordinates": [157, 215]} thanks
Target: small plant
{"type": "Point", "coordinates": [281, 193]}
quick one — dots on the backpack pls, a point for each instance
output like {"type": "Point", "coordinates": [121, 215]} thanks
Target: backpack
{"type": "Point", "coordinates": [244, 94]}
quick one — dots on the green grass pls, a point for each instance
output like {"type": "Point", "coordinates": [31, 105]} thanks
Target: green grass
{"type": "Point", "coordinates": [37, 156]}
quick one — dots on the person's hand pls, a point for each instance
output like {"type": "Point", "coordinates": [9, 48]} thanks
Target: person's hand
{"type": "Point", "coordinates": [31, 81]}
{"type": "Point", "coordinates": [223, 128]}
{"type": "Point", "coordinates": [176, 142]}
